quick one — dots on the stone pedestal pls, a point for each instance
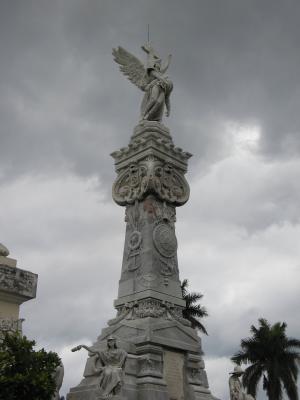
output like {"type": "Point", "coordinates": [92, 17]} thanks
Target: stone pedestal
{"type": "Point", "coordinates": [164, 353]}
{"type": "Point", "coordinates": [16, 287]}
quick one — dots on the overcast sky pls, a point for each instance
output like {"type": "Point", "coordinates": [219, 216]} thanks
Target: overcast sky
{"type": "Point", "coordinates": [64, 107]}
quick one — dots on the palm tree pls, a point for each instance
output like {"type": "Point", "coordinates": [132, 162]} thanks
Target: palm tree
{"type": "Point", "coordinates": [274, 357]}
{"type": "Point", "coordinates": [193, 311]}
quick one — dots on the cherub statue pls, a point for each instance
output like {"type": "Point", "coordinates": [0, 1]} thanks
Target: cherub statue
{"type": "Point", "coordinates": [150, 79]}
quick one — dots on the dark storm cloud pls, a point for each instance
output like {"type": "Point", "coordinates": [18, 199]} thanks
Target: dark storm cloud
{"type": "Point", "coordinates": [64, 107]}
{"type": "Point", "coordinates": [65, 104]}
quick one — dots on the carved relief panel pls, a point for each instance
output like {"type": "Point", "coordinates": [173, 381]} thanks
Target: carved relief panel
{"type": "Point", "coordinates": [147, 176]}
{"type": "Point", "coordinates": [16, 280]}
{"type": "Point", "coordinates": [161, 217]}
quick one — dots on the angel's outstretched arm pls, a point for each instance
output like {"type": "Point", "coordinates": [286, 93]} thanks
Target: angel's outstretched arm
{"type": "Point", "coordinates": [168, 106]}
{"type": "Point", "coordinates": [83, 346]}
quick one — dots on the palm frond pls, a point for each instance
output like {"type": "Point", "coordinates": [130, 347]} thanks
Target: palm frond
{"type": "Point", "coordinates": [196, 324]}
{"type": "Point", "coordinates": [252, 377]}
{"type": "Point", "coordinates": [290, 385]}
{"type": "Point", "coordinates": [273, 356]}
{"type": "Point", "coordinates": [193, 311]}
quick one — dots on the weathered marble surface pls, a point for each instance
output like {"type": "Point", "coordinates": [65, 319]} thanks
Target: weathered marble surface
{"type": "Point", "coordinates": [164, 354]}
{"type": "Point", "coordinates": [149, 325]}
{"type": "Point", "coordinates": [108, 366]}
{"type": "Point", "coordinates": [235, 385]}
{"type": "Point", "coordinates": [58, 377]}
{"type": "Point", "coordinates": [17, 283]}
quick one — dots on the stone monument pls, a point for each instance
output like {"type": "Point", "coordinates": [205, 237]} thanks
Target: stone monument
{"type": "Point", "coordinates": [16, 287]}
{"type": "Point", "coordinates": [235, 386]}
{"type": "Point", "coordinates": [163, 353]}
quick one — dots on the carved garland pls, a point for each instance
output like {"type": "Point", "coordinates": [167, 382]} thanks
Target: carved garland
{"type": "Point", "coordinates": [149, 308]}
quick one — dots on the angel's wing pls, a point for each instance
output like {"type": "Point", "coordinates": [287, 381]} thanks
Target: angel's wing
{"type": "Point", "coordinates": [131, 67]}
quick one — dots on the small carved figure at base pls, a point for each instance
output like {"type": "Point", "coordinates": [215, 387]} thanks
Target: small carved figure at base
{"type": "Point", "coordinates": [112, 361]}
{"type": "Point", "coordinates": [58, 376]}
{"type": "Point", "coordinates": [235, 386]}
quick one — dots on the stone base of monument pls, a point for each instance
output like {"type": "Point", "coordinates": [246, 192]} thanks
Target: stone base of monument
{"type": "Point", "coordinates": [164, 362]}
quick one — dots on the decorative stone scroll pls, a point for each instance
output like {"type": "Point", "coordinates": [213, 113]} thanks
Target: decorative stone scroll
{"type": "Point", "coordinates": [148, 176]}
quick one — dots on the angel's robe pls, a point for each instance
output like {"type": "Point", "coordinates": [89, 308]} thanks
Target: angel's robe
{"type": "Point", "coordinates": [112, 372]}
{"type": "Point", "coordinates": [106, 366]}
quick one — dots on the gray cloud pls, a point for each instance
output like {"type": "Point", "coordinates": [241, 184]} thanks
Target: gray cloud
{"type": "Point", "coordinates": [64, 107]}
{"type": "Point", "coordinates": [60, 88]}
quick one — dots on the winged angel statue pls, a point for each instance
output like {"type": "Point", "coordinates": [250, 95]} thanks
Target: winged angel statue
{"type": "Point", "coordinates": [149, 78]}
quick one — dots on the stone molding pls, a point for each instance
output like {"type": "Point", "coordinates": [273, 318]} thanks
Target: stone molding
{"type": "Point", "coordinates": [17, 283]}
{"type": "Point", "coordinates": [153, 127]}
{"type": "Point", "coordinates": [149, 307]}
{"type": "Point", "coordinates": [154, 135]}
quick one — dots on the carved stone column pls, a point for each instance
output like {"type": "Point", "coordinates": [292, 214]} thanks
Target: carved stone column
{"type": "Point", "coordinates": [150, 184]}
{"type": "Point", "coordinates": [164, 353]}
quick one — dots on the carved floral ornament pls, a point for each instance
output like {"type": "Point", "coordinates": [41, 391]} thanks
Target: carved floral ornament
{"type": "Point", "coordinates": [149, 307]}
{"type": "Point", "coordinates": [150, 176]}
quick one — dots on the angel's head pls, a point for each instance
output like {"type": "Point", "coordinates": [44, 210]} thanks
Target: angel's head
{"type": "Point", "coordinates": [153, 62]}
{"type": "Point", "coordinates": [157, 65]}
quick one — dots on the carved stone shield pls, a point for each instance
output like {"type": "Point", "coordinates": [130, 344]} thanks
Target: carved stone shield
{"type": "Point", "coordinates": [165, 240]}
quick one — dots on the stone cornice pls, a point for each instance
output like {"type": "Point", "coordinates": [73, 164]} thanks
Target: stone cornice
{"type": "Point", "coordinates": [151, 164]}
{"type": "Point", "coordinates": [151, 138]}
{"type": "Point", "coordinates": [17, 285]}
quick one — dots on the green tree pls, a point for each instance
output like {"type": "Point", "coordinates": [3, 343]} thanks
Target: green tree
{"type": "Point", "coordinates": [25, 374]}
{"type": "Point", "coordinates": [273, 357]}
{"type": "Point", "coordinates": [193, 311]}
